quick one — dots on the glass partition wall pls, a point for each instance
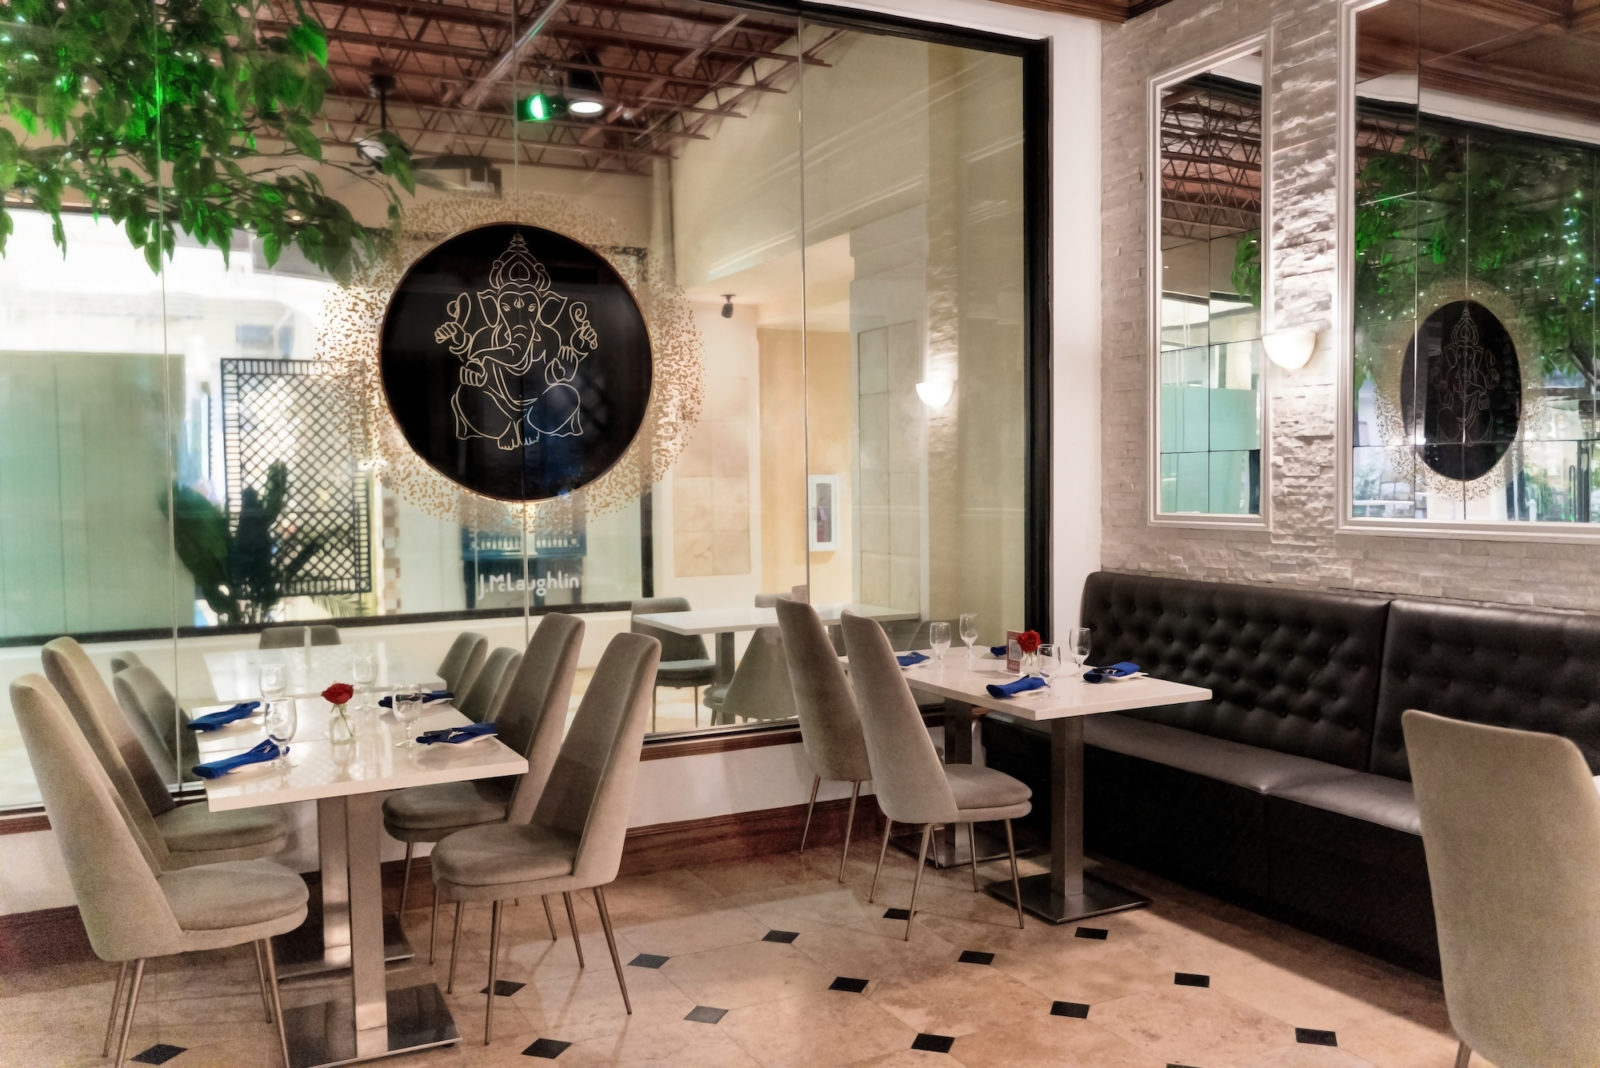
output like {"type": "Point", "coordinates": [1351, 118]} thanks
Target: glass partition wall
{"type": "Point", "coordinates": [845, 208]}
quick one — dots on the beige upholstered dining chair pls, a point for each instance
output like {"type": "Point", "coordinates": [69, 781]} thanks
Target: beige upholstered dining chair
{"type": "Point", "coordinates": [463, 660]}
{"type": "Point", "coordinates": [684, 660]}
{"type": "Point", "coordinates": [124, 660]}
{"type": "Point", "coordinates": [131, 908]}
{"type": "Point", "coordinates": [179, 835]}
{"type": "Point", "coordinates": [574, 839]}
{"type": "Point", "coordinates": [482, 699]}
{"type": "Point", "coordinates": [830, 728]}
{"type": "Point", "coordinates": [530, 720]}
{"type": "Point", "coordinates": [324, 634]}
{"type": "Point", "coordinates": [1511, 829]}
{"type": "Point", "coordinates": [288, 637]}
{"type": "Point", "coordinates": [911, 784]}
{"type": "Point", "coordinates": [760, 688]}
{"type": "Point", "coordinates": [152, 712]}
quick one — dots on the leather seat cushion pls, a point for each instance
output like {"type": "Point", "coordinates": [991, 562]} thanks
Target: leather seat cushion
{"type": "Point", "coordinates": [1248, 766]}
{"type": "Point", "coordinates": [501, 853]}
{"type": "Point", "coordinates": [236, 894]}
{"type": "Point", "coordinates": [443, 807]}
{"type": "Point", "coordinates": [1363, 796]}
{"type": "Point", "coordinates": [986, 794]}
{"type": "Point", "coordinates": [685, 672]}
{"type": "Point", "coordinates": [195, 828]}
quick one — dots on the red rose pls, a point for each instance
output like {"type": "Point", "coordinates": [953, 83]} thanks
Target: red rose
{"type": "Point", "coordinates": [1028, 641]}
{"type": "Point", "coordinates": [338, 693]}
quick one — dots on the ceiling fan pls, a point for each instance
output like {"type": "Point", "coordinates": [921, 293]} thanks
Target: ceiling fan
{"type": "Point", "coordinates": [482, 176]}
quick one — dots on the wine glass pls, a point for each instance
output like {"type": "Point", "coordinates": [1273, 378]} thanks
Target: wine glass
{"type": "Point", "coordinates": [273, 683]}
{"type": "Point", "coordinates": [364, 669]}
{"type": "Point", "coordinates": [407, 709]}
{"type": "Point", "coordinates": [282, 721]}
{"type": "Point", "coordinates": [1079, 639]}
{"type": "Point", "coordinates": [939, 639]}
{"type": "Point", "coordinates": [969, 632]}
{"type": "Point", "coordinates": [1049, 661]}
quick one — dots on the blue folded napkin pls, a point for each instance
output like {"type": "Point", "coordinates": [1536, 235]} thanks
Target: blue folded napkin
{"type": "Point", "coordinates": [428, 698]}
{"type": "Point", "coordinates": [1111, 671]}
{"type": "Point", "coordinates": [1011, 689]}
{"type": "Point", "coordinates": [217, 720]}
{"type": "Point", "coordinates": [457, 735]}
{"type": "Point", "coordinates": [216, 769]}
{"type": "Point", "coordinates": [907, 659]}
{"type": "Point", "coordinates": [998, 650]}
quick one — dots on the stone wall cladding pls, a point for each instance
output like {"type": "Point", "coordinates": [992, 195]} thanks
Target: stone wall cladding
{"type": "Point", "coordinates": [1303, 547]}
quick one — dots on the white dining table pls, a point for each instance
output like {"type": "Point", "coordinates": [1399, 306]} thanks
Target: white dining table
{"type": "Point", "coordinates": [1067, 892]}
{"type": "Point", "coordinates": [348, 781]}
{"type": "Point", "coordinates": [727, 622]}
{"type": "Point", "coordinates": [235, 674]}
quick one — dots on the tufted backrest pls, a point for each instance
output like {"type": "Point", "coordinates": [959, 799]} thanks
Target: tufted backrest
{"type": "Point", "coordinates": [1523, 668]}
{"type": "Point", "coordinates": [1291, 670]}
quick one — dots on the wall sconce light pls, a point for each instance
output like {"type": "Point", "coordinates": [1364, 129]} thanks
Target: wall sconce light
{"type": "Point", "coordinates": [1291, 349]}
{"type": "Point", "coordinates": [935, 392]}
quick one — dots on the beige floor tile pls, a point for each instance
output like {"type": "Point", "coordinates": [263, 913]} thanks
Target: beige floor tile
{"type": "Point", "coordinates": [1306, 1056]}
{"type": "Point", "coordinates": [958, 1001]}
{"type": "Point", "coordinates": [577, 1007]}
{"type": "Point", "coordinates": [863, 952]}
{"type": "Point", "coordinates": [681, 1042]}
{"type": "Point", "coordinates": [749, 974]}
{"type": "Point", "coordinates": [658, 896]}
{"type": "Point", "coordinates": [1087, 971]}
{"type": "Point", "coordinates": [816, 1028]}
{"type": "Point", "coordinates": [1047, 1040]}
{"type": "Point", "coordinates": [691, 934]}
{"type": "Point", "coordinates": [757, 873]}
{"type": "Point", "coordinates": [1189, 1025]}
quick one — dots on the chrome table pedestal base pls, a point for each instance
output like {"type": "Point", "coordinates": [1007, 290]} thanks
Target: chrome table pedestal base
{"type": "Point", "coordinates": [1097, 898]}
{"type": "Point", "coordinates": [325, 1033]}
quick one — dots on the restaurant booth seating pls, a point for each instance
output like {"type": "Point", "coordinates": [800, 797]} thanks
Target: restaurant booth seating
{"type": "Point", "coordinates": [1289, 791]}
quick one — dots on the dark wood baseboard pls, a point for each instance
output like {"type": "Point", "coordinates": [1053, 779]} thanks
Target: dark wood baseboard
{"type": "Point", "coordinates": [56, 936]}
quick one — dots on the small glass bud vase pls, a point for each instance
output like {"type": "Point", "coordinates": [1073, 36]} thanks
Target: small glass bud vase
{"type": "Point", "coordinates": [1030, 664]}
{"type": "Point", "coordinates": [340, 729]}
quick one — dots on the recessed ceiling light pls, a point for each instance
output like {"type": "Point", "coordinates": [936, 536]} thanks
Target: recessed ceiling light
{"type": "Point", "coordinates": [585, 107]}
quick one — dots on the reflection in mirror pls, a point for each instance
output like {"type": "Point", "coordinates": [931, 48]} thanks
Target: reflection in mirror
{"type": "Point", "coordinates": [1209, 394]}
{"type": "Point", "coordinates": [1473, 374]}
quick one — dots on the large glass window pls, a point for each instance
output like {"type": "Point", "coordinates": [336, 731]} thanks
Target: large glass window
{"type": "Point", "coordinates": [859, 285]}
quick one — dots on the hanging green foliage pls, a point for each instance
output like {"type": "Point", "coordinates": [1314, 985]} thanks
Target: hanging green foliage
{"type": "Point", "coordinates": [168, 115]}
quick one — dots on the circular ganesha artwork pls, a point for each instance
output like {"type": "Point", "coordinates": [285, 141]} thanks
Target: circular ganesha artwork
{"type": "Point", "coordinates": [1461, 379]}
{"type": "Point", "coordinates": [516, 362]}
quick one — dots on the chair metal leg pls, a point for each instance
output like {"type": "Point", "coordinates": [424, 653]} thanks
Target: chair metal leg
{"type": "Point", "coordinates": [494, 960]}
{"type": "Point", "coordinates": [697, 707]}
{"type": "Point", "coordinates": [455, 945]}
{"type": "Point", "coordinates": [653, 691]}
{"type": "Point", "coordinates": [916, 880]}
{"type": "Point", "coordinates": [849, 825]}
{"type": "Point", "coordinates": [1016, 883]}
{"type": "Point", "coordinates": [277, 1005]}
{"type": "Point", "coordinates": [127, 1019]}
{"type": "Point", "coordinates": [433, 927]}
{"type": "Point", "coordinates": [882, 849]}
{"type": "Point", "coordinates": [405, 879]}
{"type": "Point", "coordinates": [611, 944]}
{"type": "Point", "coordinates": [1463, 1055]}
{"type": "Point", "coordinates": [572, 921]}
{"type": "Point", "coordinates": [116, 1006]}
{"type": "Point", "coordinates": [816, 781]}
{"type": "Point", "coordinates": [261, 974]}
{"type": "Point", "coordinates": [549, 917]}
{"type": "Point", "coordinates": [972, 848]}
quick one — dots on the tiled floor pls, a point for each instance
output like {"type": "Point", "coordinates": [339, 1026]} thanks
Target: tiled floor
{"type": "Point", "coordinates": [771, 962]}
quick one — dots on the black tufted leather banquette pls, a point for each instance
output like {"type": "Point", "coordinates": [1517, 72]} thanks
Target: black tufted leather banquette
{"type": "Point", "coordinates": [1293, 671]}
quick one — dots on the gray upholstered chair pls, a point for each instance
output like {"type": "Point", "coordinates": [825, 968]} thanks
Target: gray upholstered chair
{"type": "Point", "coordinates": [574, 839]}
{"type": "Point", "coordinates": [759, 689]}
{"type": "Point", "coordinates": [153, 713]}
{"type": "Point", "coordinates": [684, 660]}
{"type": "Point", "coordinates": [911, 784]}
{"type": "Point", "coordinates": [131, 908]}
{"type": "Point", "coordinates": [179, 835]}
{"type": "Point", "coordinates": [530, 718]}
{"type": "Point", "coordinates": [124, 660]}
{"type": "Point", "coordinates": [830, 728]}
{"type": "Point", "coordinates": [290, 637]}
{"type": "Point", "coordinates": [463, 660]}
{"type": "Point", "coordinates": [324, 634]}
{"type": "Point", "coordinates": [482, 699]}
{"type": "Point", "coordinates": [1511, 829]}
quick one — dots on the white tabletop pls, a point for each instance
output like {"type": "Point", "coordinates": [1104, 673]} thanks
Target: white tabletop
{"type": "Point", "coordinates": [749, 617]}
{"type": "Point", "coordinates": [1067, 695]}
{"type": "Point", "coordinates": [311, 670]}
{"type": "Point", "coordinates": [371, 763]}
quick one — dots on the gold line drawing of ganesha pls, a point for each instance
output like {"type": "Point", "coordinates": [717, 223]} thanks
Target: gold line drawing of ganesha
{"type": "Point", "coordinates": [516, 330]}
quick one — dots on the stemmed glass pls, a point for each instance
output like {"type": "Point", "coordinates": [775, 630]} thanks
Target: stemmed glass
{"type": "Point", "coordinates": [282, 720]}
{"type": "Point", "coordinates": [273, 683]}
{"type": "Point", "coordinates": [364, 669]}
{"type": "Point", "coordinates": [939, 639]}
{"type": "Point", "coordinates": [1049, 661]}
{"type": "Point", "coordinates": [407, 709]}
{"type": "Point", "coordinates": [969, 632]}
{"type": "Point", "coordinates": [1079, 639]}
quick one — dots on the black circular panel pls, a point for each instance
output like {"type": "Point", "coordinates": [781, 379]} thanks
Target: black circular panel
{"type": "Point", "coordinates": [516, 362]}
{"type": "Point", "coordinates": [1470, 404]}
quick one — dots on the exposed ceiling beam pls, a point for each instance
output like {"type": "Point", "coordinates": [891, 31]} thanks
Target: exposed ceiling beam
{"type": "Point", "coordinates": [506, 62]}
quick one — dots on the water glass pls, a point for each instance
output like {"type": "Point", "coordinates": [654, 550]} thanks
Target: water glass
{"type": "Point", "coordinates": [283, 720]}
{"type": "Point", "coordinates": [273, 683]}
{"type": "Point", "coordinates": [1049, 661]}
{"type": "Point", "coordinates": [939, 639]}
{"type": "Point", "coordinates": [1078, 640]}
{"type": "Point", "coordinates": [407, 709]}
{"type": "Point", "coordinates": [969, 631]}
{"type": "Point", "coordinates": [364, 669]}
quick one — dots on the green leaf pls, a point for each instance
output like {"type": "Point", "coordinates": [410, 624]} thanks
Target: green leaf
{"type": "Point", "coordinates": [8, 159]}
{"type": "Point", "coordinates": [309, 40]}
{"type": "Point", "coordinates": [304, 140]}
{"type": "Point", "coordinates": [271, 248]}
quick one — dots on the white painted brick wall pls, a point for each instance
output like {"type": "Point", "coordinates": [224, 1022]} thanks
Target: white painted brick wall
{"type": "Point", "coordinates": [1302, 548]}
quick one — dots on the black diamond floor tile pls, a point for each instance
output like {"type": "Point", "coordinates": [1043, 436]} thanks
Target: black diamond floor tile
{"type": "Point", "coordinates": [504, 988]}
{"type": "Point", "coordinates": [1097, 933]}
{"type": "Point", "coordinates": [1312, 1037]}
{"type": "Point", "coordinates": [780, 936]}
{"type": "Point", "coordinates": [933, 1043]}
{"type": "Point", "coordinates": [1191, 979]}
{"type": "Point", "coordinates": [1074, 1009]}
{"type": "Point", "coordinates": [973, 956]}
{"type": "Point", "coordinates": [705, 1014]}
{"type": "Point", "coordinates": [848, 985]}
{"type": "Point", "coordinates": [896, 914]}
{"type": "Point", "coordinates": [548, 1048]}
{"type": "Point", "coordinates": [160, 1053]}
{"type": "Point", "coordinates": [648, 960]}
